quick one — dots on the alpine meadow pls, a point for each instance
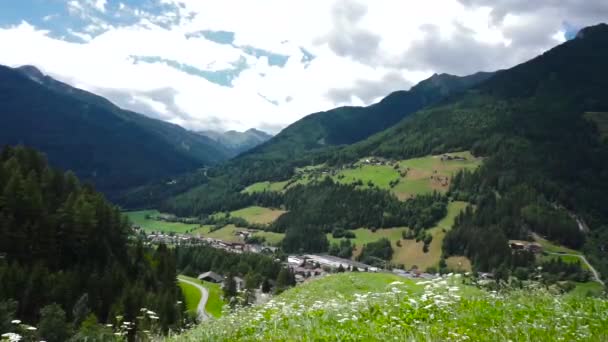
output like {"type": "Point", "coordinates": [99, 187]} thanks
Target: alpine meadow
{"type": "Point", "coordinates": [161, 181]}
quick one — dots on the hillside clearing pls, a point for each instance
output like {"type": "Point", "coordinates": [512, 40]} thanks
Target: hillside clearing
{"type": "Point", "coordinates": [411, 253]}
{"type": "Point", "coordinates": [258, 215]}
{"type": "Point", "coordinates": [264, 186]}
{"type": "Point", "coordinates": [229, 234]}
{"type": "Point", "coordinates": [404, 178]}
{"type": "Point", "coordinates": [146, 220]}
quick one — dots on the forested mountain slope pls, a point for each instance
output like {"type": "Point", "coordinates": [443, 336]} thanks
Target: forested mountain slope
{"type": "Point", "coordinates": [346, 125]}
{"type": "Point", "coordinates": [100, 142]}
{"type": "Point", "coordinates": [306, 141]}
{"type": "Point", "coordinates": [538, 127]}
{"type": "Point", "coordinates": [545, 159]}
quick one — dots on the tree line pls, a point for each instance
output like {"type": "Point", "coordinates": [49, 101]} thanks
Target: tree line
{"type": "Point", "coordinates": [65, 252]}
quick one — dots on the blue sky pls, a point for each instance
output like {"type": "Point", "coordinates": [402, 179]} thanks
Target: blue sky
{"type": "Point", "coordinates": [237, 64]}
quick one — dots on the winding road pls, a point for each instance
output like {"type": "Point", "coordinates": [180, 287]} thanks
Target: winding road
{"type": "Point", "coordinates": [595, 273]}
{"type": "Point", "coordinates": [202, 314]}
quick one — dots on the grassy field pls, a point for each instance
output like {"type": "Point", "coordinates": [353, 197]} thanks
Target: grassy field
{"type": "Point", "coordinates": [265, 186]}
{"type": "Point", "coordinates": [192, 296]}
{"type": "Point", "coordinates": [215, 302]}
{"type": "Point", "coordinates": [139, 218]}
{"type": "Point", "coordinates": [590, 288]}
{"type": "Point", "coordinates": [424, 175]}
{"type": "Point", "coordinates": [364, 235]}
{"type": "Point", "coordinates": [258, 215]}
{"type": "Point", "coordinates": [459, 264]}
{"type": "Point", "coordinates": [228, 234]}
{"type": "Point", "coordinates": [411, 253]}
{"type": "Point", "coordinates": [383, 307]}
{"type": "Point", "coordinates": [551, 247]}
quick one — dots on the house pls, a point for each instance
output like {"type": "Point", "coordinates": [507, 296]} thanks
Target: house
{"type": "Point", "coordinates": [520, 245]}
{"type": "Point", "coordinates": [240, 284]}
{"type": "Point", "coordinates": [211, 277]}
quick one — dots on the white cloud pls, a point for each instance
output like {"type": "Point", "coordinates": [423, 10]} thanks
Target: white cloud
{"type": "Point", "coordinates": [100, 5]}
{"type": "Point", "coordinates": [361, 50]}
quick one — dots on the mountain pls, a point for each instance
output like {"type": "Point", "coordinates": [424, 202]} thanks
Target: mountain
{"type": "Point", "coordinates": [347, 125]}
{"type": "Point", "coordinates": [83, 132]}
{"type": "Point", "coordinates": [238, 141]}
{"type": "Point", "coordinates": [538, 127]}
{"type": "Point", "coordinates": [304, 141]}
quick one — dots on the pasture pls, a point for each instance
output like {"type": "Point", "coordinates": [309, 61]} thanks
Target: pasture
{"type": "Point", "coordinates": [146, 220]}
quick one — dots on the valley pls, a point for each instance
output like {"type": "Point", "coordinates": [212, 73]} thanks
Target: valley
{"type": "Point", "coordinates": [465, 208]}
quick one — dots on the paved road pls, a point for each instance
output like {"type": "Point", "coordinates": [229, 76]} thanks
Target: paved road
{"type": "Point", "coordinates": [595, 273]}
{"type": "Point", "coordinates": [202, 314]}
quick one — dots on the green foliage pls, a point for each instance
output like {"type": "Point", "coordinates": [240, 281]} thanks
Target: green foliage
{"type": "Point", "coordinates": [373, 251]}
{"type": "Point", "coordinates": [53, 326]}
{"type": "Point", "coordinates": [64, 245]}
{"type": "Point", "coordinates": [342, 250]}
{"type": "Point", "coordinates": [328, 204]}
{"type": "Point", "coordinates": [555, 224]}
{"type": "Point", "coordinates": [305, 238]}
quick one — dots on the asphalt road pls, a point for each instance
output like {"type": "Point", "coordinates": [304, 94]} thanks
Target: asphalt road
{"type": "Point", "coordinates": [202, 314]}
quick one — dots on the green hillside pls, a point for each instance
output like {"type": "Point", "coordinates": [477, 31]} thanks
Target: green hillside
{"type": "Point", "coordinates": [300, 144]}
{"type": "Point", "coordinates": [377, 307]}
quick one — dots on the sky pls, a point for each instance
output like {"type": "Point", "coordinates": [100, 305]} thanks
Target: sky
{"type": "Point", "coordinates": [239, 64]}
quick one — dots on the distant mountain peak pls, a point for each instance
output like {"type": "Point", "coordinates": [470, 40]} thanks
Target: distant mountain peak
{"type": "Point", "coordinates": [238, 141]}
{"type": "Point", "coordinates": [599, 29]}
{"type": "Point", "coordinates": [32, 72]}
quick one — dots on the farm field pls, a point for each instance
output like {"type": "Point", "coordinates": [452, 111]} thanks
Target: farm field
{"type": "Point", "coordinates": [140, 218]}
{"type": "Point", "coordinates": [378, 307]}
{"type": "Point", "coordinates": [215, 302]}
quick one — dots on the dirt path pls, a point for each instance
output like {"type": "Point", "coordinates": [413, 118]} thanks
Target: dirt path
{"type": "Point", "coordinates": [202, 314]}
{"type": "Point", "coordinates": [596, 274]}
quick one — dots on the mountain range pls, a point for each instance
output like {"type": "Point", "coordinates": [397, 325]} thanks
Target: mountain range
{"type": "Point", "coordinates": [238, 141]}
{"type": "Point", "coordinates": [539, 128]}
{"type": "Point", "coordinates": [100, 142]}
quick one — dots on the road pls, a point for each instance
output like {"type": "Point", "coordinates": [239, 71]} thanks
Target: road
{"type": "Point", "coordinates": [202, 314]}
{"type": "Point", "coordinates": [595, 273]}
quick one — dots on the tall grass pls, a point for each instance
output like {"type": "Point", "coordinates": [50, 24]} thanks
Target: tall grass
{"type": "Point", "coordinates": [438, 310]}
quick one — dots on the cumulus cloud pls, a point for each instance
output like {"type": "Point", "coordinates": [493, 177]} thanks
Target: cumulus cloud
{"type": "Point", "coordinates": [576, 11]}
{"type": "Point", "coordinates": [149, 58]}
{"type": "Point", "coordinates": [368, 91]}
{"type": "Point", "coordinates": [347, 38]}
